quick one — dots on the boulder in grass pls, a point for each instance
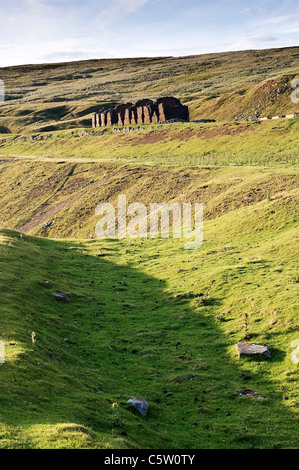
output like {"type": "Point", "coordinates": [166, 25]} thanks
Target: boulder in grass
{"type": "Point", "coordinates": [251, 349]}
{"type": "Point", "coordinates": [82, 133]}
{"type": "Point", "coordinates": [295, 356]}
{"type": "Point", "coordinates": [295, 353]}
{"type": "Point", "coordinates": [61, 296]}
{"type": "Point", "coordinates": [247, 392]}
{"type": "Point", "coordinates": [140, 405]}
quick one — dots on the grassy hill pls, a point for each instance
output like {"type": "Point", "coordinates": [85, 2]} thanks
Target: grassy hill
{"type": "Point", "coordinates": [70, 366]}
{"type": "Point", "coordinates": [226, 86]}
{"type": "Point", "coordinates": [177, 144]}
{"type": "Point", "coordinates": [146, 317]}
{"type": "Point", "coordinates": [36, 191]}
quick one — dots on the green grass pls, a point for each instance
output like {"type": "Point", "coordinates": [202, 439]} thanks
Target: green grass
{"type": "Point", "coordinates": [34, 192]}
{"type": "Point", "coordinates": [70, 367]}
{"type": "Point", "coordinates": [188, 144]}
{"type": "Point", "coordinates": [124, 333]}
{"type": "Point", "coordinates": [226, 86]}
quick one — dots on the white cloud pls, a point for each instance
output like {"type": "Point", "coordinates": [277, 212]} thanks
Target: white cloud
{"type": "Point", "coordinates": [117, 10]}
{"type": "Point", "coordinates": [274, 20]}
{"type": "Point", "coordinates": [253, 42]}
{"type": "Point", "coordinates": [295, 14]}
{"type": "Point", "coordinates": [6, 46]}
{"type": "Point", "coordinates": [36, 4]}
{"type": "Point", "coordinates": [75, 54]}
{"type": "Point", "coordinates": [252, 11]}
{"type": "Point", "coordinates": [33, 31]}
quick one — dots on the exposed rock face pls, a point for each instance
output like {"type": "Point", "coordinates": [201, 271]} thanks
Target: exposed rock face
{"type": "Point", "coordinates": [143, 112]}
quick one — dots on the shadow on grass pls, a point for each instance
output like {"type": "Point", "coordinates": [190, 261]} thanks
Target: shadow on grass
{"type": "Point", "coordinates": [121, 335]}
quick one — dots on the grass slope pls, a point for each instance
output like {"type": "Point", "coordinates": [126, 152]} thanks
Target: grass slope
{"type": "Point", "coordinates": [70, 366]}
{"type": "Point", "coordinates": [188, 144]}
{"type": "Point", "coordinates": [34, 192]}
{"type": "Point", "coordinates": [227, 86]}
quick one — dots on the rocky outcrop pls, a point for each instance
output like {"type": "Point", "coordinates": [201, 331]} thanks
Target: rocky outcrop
{"type": "Point", "coordinates": [144, 111]}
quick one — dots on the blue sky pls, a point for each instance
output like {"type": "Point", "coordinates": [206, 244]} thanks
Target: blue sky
{"type": "Point", "coordinates": [35, 31]}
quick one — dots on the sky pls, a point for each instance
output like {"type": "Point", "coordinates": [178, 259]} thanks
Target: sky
{"type": "Point", "coordinates": [40, 31]}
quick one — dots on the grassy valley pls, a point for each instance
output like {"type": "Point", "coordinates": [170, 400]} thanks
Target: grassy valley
{"type": "Point", "coordinates": [126, 333]}
{"type": "Point", "coordinates": [146, 317]}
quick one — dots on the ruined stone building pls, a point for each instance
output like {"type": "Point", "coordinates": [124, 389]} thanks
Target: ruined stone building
{"type": "Point", "coordinates": [143, 112]}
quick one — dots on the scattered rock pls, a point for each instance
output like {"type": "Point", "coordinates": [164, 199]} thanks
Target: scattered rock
{"type": "Point", "coordinates": [247, 392]}
{"type": "Point", "coordinates": [205, 120]}
{"type": "Point", "coordinates": [48, 224]}
{"type": "Point", "coordinates": [140, 405]}
{"type": "Point", "coordinates": [183, 357]}
{"type": "Point", "coordinates": [251, 349]}
{"type": "Point", "coordinates": [245, 377]}
{"type": "Point", "coordinates": [295, 353]}
{"type": "Point", "coordinates": [295, 356]}
{"type": "Point", "coordinates": [188, 295]}
{"type": "Point", "coordinates": [61, 296]}
{"type": "Point", "coordinates": [82, 133]}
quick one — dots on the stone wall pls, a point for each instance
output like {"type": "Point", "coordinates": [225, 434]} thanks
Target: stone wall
{"type": "Point", "coordinates": [288, 116]}
{"type": "Point", "coordinates": [143, 112]}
